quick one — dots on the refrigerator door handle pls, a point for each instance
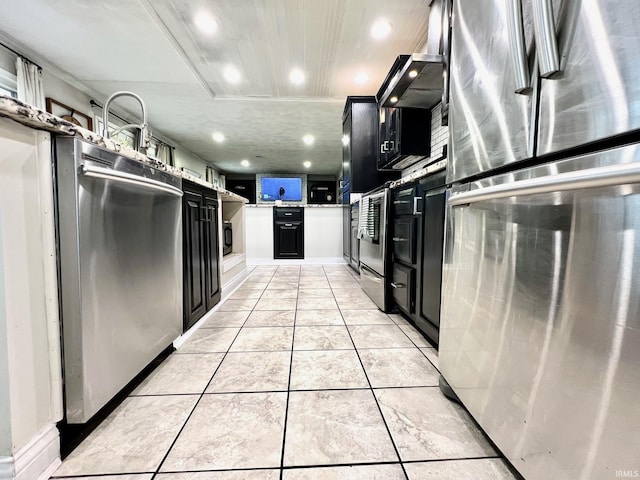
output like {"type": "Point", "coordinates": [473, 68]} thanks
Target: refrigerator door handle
{"type": "Point", "coordinates": [609, 176]}
{"type": "Point", "coordinates": [517, 47]}
{"type": "Point", "coordinates": [545, 35]}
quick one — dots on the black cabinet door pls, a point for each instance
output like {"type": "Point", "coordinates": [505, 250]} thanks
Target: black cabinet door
{"type": "Point", "coordinates": [194, 256]}
{"type": "Point", "coordinates": [212, 284]}
{"type": "Point", "coordinates": [289, 240]}
{"type": "Point", "coordinates": [432, 248]}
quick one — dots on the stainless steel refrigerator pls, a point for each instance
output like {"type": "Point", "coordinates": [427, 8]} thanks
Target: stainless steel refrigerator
{"type": "Point", "coordinates": [540, 326]}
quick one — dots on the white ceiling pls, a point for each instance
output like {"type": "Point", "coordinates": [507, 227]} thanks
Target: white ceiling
{"type": "Point", "coordinates": [153, 48]}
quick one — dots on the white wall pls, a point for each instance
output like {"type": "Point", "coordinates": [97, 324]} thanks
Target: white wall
{"type": "Point", "coordinates": [5, 410]}
{"type": "Point", "coordinates": [28, 299]}
{"type": "Point", "coordinates": [322, 235]}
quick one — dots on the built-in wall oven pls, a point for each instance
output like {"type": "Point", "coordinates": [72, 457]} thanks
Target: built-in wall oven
{"type": "Point", "coordinates": [374, 210]}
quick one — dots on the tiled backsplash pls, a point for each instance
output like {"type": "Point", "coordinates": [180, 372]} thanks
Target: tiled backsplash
{"type": "Point", "coordinates": [439, 138]}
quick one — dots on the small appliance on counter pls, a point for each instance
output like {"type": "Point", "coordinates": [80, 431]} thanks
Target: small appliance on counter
{"type": "Point", "coordinates": [227, 245]}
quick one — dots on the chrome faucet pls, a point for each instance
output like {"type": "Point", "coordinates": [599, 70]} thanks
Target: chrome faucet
{"type": "Point", "coordinates": [145, 136]}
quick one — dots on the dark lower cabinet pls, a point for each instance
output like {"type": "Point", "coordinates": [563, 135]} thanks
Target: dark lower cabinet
{"type": "Point", "coordinates": [288, 232]}
{"type": "Point", "coordinates": [201, 282]}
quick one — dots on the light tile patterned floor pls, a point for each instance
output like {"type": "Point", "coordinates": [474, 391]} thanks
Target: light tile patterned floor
{"type": "Point", "coordinates": [296, 376]}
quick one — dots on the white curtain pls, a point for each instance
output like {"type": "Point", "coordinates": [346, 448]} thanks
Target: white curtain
{"type": "Point", "coordinates": [30, 88]}
{"type": "Point", "coordinates": [164, 153]}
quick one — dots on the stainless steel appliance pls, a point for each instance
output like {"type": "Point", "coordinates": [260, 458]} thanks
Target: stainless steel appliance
{"type": "Point", "coordinates": [120, 260]}
{"type": "Point", "coordinates": [227, 233]}
{"type": "Point", "coordinates": [354, 259]}
{"type": "Point", "coordinates": [539, 334]}
{"type": "Point", "coordinates": [374, 211]}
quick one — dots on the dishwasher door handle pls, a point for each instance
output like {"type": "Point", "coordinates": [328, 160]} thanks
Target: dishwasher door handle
{"type": "Point", "coordinates": [123, 177]}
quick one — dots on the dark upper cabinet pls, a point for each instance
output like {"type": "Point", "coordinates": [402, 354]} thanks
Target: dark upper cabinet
{"type": "Point", "coordinates": [321, 191]}
{"type": "Point", "coordinates": [360, 146]}
{"type": "Point", "coordinates": [201, 272]}
{"type": "Point", "coordinates": [405, 137]}
{"type": "Point", "coordinates": [288, 232]}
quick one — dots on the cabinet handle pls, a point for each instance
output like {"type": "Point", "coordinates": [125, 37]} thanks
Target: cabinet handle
{"type": "Point", "coordinates": [400, 239]}
{"type": "Point", "coordinates": [289, 214]}
{"type": "Point", "coordinates": [415, 204]}
{"type": "Point", "coordinates": [382, 148]}
{"type": "Point", "coordinates": [400, 202]}
{"type": "Point", "coordinates": [392, 143]}
{"type": "Point", "coordinates": [288, 224]}
{"type": "Point", "coordinates": [398, 285]}
{"type": "Point", "coordinates": [204, 214]}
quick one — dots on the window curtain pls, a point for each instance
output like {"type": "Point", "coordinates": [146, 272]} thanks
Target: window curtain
{"type": "Point", "coordinates": [29, 79]}
{"type": "Point", "coordinates": [164, 153]}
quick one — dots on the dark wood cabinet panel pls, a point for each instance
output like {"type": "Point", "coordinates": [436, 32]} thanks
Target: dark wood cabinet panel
{"type": "Point", "coordinates": [244, 188]}
{"type": "Point", "coordinates": [405, 136]}
{"type": "Point", "coordinates": [193, 252]}
{"type": "Point", "coordinates": [288, 233]}
{"type": "Point", "coordinates": [360, 146]}
{"type": "Point", "coordinates": [201, 272]}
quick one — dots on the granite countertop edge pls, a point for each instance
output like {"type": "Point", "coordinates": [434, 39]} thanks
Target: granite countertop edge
{"type": "Point", "coordinates": [36, 118]}
{"type": "Point", "coordinates": [290, 205]}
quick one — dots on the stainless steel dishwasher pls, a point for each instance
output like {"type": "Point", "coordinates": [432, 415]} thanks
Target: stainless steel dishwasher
{"type": "Point", "coordinates": [120, 252]}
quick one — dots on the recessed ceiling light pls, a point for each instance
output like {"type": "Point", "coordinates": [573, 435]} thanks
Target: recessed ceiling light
{"type": "Point", "coordinates": [361, 78]}
{"type": "Point", "coordinates": [307, 164]}
{"type": "Point", "coordinates": [308, 139]}
{"type": "Point", "coordinates": [413, 74]}
{"type": "Point", "coordinates": [393, 99]}
{"type": "Point", "coordinates": [218, 137]}
{"type": "Point", "coordinates": [205, 23]}
{"type": "Point", "coordinates": [296, 76]}
{"type": "Point", "coordinates": [244, 163]}
{"type": "Point", "coordinates": [345, 140]}
{"type": "Point", "coordinates": [381, 29]}
{"type": "Point", "coordinates": [232, 75]}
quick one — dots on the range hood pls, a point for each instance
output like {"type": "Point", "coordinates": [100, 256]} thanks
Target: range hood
{"type": "Point", "coordinates": [414, 80]}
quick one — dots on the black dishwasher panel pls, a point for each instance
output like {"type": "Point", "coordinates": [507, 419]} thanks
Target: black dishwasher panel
{"type": "Point", "coordinates": [288, 232]}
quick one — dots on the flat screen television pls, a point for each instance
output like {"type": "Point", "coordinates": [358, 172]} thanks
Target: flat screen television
{"type": "Point", "coordinates": [281, 188]}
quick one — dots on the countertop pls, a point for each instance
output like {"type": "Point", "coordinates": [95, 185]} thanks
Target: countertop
{"type": "Point", "coordinates": [39, 119]}
{"type": "Point", "coordinates": [290, 205]}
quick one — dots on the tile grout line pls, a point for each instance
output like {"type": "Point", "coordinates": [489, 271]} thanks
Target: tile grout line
{"type": "Point", "coordinates": [286, 409]}
{"type": "Point", "coordinates": [164, 458]}
{"type": "Point", "coordinates": [384, 420]}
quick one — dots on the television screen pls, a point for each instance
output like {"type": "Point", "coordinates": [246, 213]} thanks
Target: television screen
{"type": "Point", "coordinates": [282, 188]}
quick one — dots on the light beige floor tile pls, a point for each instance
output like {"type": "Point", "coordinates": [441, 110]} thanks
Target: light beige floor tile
{"type": "Point", "coordinates": [354, 472]}
{"type": "Point", "coordinates": [425, 425]}
{"type": "Point", "coordinates": [226, 319]}
{"type": "Point", "coordinates": [243, 293]}
{"type": "Point", "coordinates": [233, 305]}
{"type": "Point", "coordinates": [351, 292]}
{"type": "Point", "coordinates": [379, 336]}
{"type": "Point", "coordinates": [399, 319]}
{"type": "Point", "coordinates": [181, 374]}
{"type": "Point", "coordinates": [317, 304]}
{"type": "Point", "coordinates": [228, 475]}
{"type": "Point", "coordinates": [473, 469]}
{"type": "Point", "coordinates": [252, 372]}
{"type": "Point", "coordinates": [276, 304]}
{"type": "Point", "coordinates": [209, 340]}
{"type": "Point", "coordinates": [135, 437]}
{"type": "Point", "coordinates": [263, 339]}
{"type": "Point", "coordinates": [141, 476]}
{"type": "Point", "coordinates": [366, 317]}
{"type": "Point", "coordinates": [306, 283]}
{"type": "Point", "coordinates": [401, 367]}
{"type": "Point", "coordinates": [335, 427]}
{"type": "Point", "coordinates": [432, 355]}
{"type": "Point", "coordinates": [356, 304]}
{"type": "Point", "coordinates": [338, 284]}
{"type": "Point", "coordinates": [319, 317]}
{"type": "Point", "coordinates": [281, 293]}
{"type": "Point", "coordinates": [290, 285]}
{"type": "Point", "coordinates": [322, 338]}
{"type": "Point", "coordinates": [306, 292]}
{"type": "Point", "coordinates": [325, 369]}
{"type": "Point", "coordinates": [266, 318]}
{"type": "Point", "coordinates": [415, 336]}
{"type": "Point", "coordinates": [228, 431]}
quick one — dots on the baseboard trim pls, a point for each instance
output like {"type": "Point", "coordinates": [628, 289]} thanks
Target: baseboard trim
{"type": "Point", "coordinates": [305, 261]}
{"type": "Point", "coordinates": [38, 459]}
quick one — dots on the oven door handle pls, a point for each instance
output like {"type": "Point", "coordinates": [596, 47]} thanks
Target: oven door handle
{"type": "Point", "coordinates": [609, 176]}
{"type": "Point", "coordinates": [128, 178]}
